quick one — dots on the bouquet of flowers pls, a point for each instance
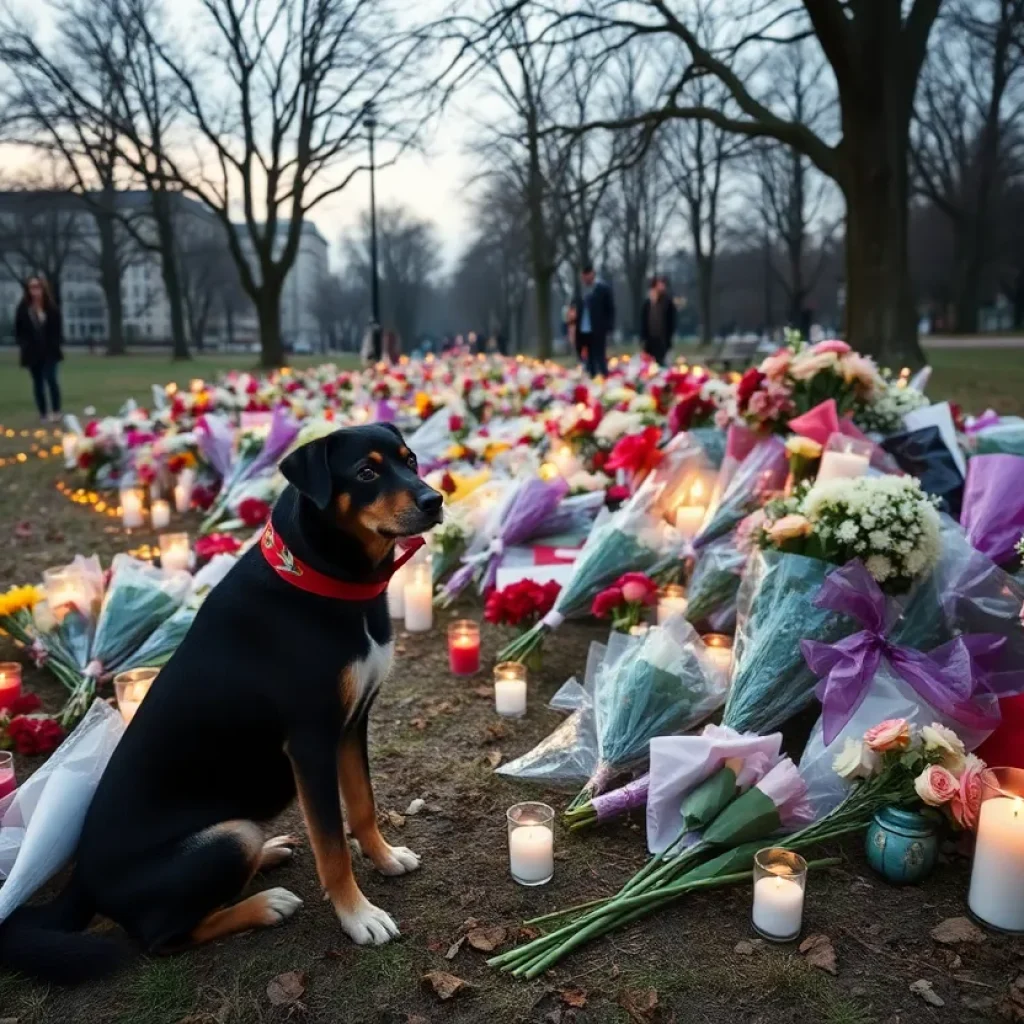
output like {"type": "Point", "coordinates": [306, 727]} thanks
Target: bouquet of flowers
{"type": "Point", "coordinates": [993, 505]}
{"type": "Point", "coordinates": [886, 522]}
{"type": "Point", "coordinates": [992, 434]}
{"type": "Point", "coordinates": [522, 604]}
{"type": "Point", "coordinates": [96, 634]}
{"type": "Point", "coordinates": [761, 474]}
{"type": "Point", "coordinates": [625, 600]}
{"type": "Point", "coordinates": [881, 411]}
{"type": "Point", "coordinates": [16, 619]}
{"type": "Point", "coordinates": [633, 538]}
{"type": "Point", "coordinates": [715, 581]}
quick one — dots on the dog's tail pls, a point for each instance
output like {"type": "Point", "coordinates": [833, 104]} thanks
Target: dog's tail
{"type": "Point", "coordinates": [41, 942]}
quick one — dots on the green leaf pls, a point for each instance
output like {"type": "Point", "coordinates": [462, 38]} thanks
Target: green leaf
{"type": "Point", "coordinates": [708, 800]}
{"type": "Point", "coordinates": [750, 816]}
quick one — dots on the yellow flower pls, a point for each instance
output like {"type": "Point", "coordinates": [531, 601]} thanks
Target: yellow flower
{"type": "Point", "coordinates": [19, 598]}
{"type": "Point", "coordinates": [455, 452]}
{"type": "Point", "coordinates": [494, 449]}
{"type": "Point", "coordinates": [803, 446]}
{"type": "Point", "coordinates": [423, 403]}
{"type": "Point", "coordinates": [466, 485]}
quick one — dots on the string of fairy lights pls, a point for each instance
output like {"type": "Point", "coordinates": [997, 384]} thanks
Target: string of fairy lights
{"type": "Point", "coordinates": [38, 448]}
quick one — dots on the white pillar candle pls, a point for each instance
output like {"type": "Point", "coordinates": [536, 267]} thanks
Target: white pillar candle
{"type": "Point", "coordinates": [175, 553]}
{"type": "Point", "coordinates": [531, 852]}
{"type": "Point", "coordinates": [510, 697]}
{"type": "Point", "coordinates": [778, 907]}
{"type": "Point", "coordinates": [131, 509]}
{"type": "Point", "coordinates": [997, 877]}
{"type": "Point", "coordinates": [396, 594]}
{"type": "Point", "coordinates": [689, 518]}
{"type": "Point", "coordinates": [160, 514]}
{"type": "Point", "coordinates": [719, 651]}
{"type": "Point", "coordinates": [672, 601]}
{"type": "Point", "coordinates": [840, 465]}
{"type": "Point", "coordinates": [69, 442]}
{"type": "Point", "coordinates": [182, 496]}
{"type": "Point", "coordinates": [418, 599]}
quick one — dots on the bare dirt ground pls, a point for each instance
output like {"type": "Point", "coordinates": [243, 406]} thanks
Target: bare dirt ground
{"type": "Point", "coordinates": [437, 738]}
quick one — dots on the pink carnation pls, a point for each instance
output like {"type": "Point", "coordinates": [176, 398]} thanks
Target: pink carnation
{"type": "Point", "coordinates": [832, 345]}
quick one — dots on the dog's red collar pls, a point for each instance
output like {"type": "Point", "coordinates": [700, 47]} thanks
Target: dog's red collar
{"type": "Point", "coordinates": [305, 577]}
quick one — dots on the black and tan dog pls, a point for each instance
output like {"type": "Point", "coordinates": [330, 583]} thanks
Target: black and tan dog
{"type": "Point", "coordinates": [267, 698]}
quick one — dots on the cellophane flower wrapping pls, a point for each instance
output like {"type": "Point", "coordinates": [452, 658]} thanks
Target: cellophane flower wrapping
{"type": "Point", "coordinates": [40, 822]}
{"type": "Point", "coordinates": [771, 682]}
{"type": "Point", "coordinates": [715, 581]}
{"type": "Point", "coordinates": [923, 454]}
{"type": "Point", "coordinates": [993, 505]}
{"type": "Point", "coordinates": [760, 475]}
{"type": "Point", "coordinates": [1004, 437]}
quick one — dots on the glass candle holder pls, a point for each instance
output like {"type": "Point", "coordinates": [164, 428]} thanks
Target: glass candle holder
{"type": "Point", "coordinates": [131, 688]}
{"type": "Point", "coordinates": [780, 878]}
{"type": "Point", "coordinates": [160, 514]}
{"type": "Point", "coordinates": [464, 648]}
{"type": "Point", "coordinates": [66, 590]}
{"type": "Point", "coordinates": [844, 458]}
{"type": "Point", "coordinates": [531, 843]}
{"type": "Point", "coordinates": [718, 648]}
{"type": "Point", "coordinates": [132, 501]}
{"type": "Point", "coordinates": [175, 553]}
{"type": "Point", "coordinates": [69, 445]}
{"type": "Point", "coordinates": [510, 689]}
{"type": "Point", "coordinates": [10, 683]}
{"type": "Point", "coordinates": [671, 601]}
{"type": "Point", "coordinates": [996, 896]}
{"type": "Point", "coordinates": [418, 598]}
{"type": "Point", "coordinates": [8, 783]}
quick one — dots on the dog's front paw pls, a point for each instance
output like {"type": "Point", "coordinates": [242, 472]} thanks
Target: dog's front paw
{"type": "Point", "coordinates": [397, 860]}
{"type": "Point", "coordinates": [280, 904]}
{"type": "Point", "coordinates": [367, 925]}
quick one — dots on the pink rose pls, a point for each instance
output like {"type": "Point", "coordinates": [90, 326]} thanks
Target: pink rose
{"type": "Point", "coordinates": [966, 803]}
{"type": "Point", "coordinates": [789, 527]}
{"type": "Point", "coordinates": [809, 364]}
{"type": "Point", "coordinates": [892, 734]}
{"type": "Point", "coordinates": [832, 345]}
{"type": "Point", "coordinates": [860, 370]}
{"type": "Point", "coordinates": [936, 786]}
{"type": "Point", "coordinates": [637, 588]}
{"type": "Point", "coordinates": [775, 366]}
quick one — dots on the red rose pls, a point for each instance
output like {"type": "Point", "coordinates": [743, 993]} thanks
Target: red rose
{"type": "Point", "coordinates": [637, 588]}
{"type": "Point", "coordinates": [636, 453]}
{"type": "Point", "coordinates": [448, 483]}
{"type": "Point", "coordinates": [253, 511]}
{"type": "Point", "coordinates": [252, 386]}
{"type": "Point", "coordinates": [691, 408]}
{"type": "Point", "coordinates": [84, 460]}
{"type": "Point", "coordinates": [749, 383]}
{"type": "Point", "coordinates": [606, 602]}
{"type": "Point", "coordinates": [33, 737]}
{"type": "Point", "coordinates": [202, 497]}
{"type": "Point", "coordinates": [617, 493]}
{"type": "Point", "coordinates": [216, 544]}
{"type": "Point", "coordinates": [92, 428]}
{"type": "Point", "coordinates": [598, 460]}
{"type": "Point", "coordinates": [146, 474]}
{"type": "Point", "coordinates": [581, 394]}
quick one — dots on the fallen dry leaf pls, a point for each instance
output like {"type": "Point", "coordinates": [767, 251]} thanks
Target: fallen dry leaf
{"type": "Point", "coordinates": [528, 934]}
{"type": "Point", "coordinates": [444, 707]}
{"type": "Point", "coordinates": [419, 723]}
{"type": "Point", "coordinates": [957, 929]}
{"type": "Point", "coordinates": [453, 949]}
{"type": "Point", "coordinates": [640, 1005]}
{"type": "Point", "coordinates": [396, 819]}
{"type": "Point", "coordinates": [485, 692]}
{"type": "Point", "coordinates": [495, 731]}
{"type": "Point", "coordinates": [924, 989]}
{"type": "Point", "coordinates": [746, 948]}
{"type": "Point", "coordinates": [574, 997]}
{"type": "Point", "coordinates": [469, 924]}
{"type": "Point", "coordinates": [494, 758]}
{"type": "Point", "coordinates": [487, 939]}
{"type": "Point", "coordinates": [819, 952]}
{"type": "Point", "coordinates": [445, 985]}
{"type": "Point", "coordinates": [287, 989]}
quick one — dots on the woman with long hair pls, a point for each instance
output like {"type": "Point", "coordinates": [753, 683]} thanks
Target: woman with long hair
{"type": "Point", "coordinates": [39, 334]}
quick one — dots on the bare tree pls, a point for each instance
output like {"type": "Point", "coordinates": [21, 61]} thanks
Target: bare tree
{"type": "Point", "coordinates": [967, 140]}
{"type": "Point", "coordinates": [409, 259]}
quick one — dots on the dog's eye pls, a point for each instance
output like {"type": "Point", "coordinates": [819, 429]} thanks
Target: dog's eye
{"type": "Point", "coordinates": [366, 475]}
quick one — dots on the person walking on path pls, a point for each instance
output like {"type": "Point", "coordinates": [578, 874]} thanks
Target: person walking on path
{"type": "Point", "coordinates": [39, 334]}
{"type": "Point", "coordinates": [594, 307]}
{"type": "Point", "coordinates": [658, 321]}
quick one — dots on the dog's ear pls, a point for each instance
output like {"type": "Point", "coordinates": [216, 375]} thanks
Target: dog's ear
{"type": "Point", "coordinates": [308, 469]}
{"type": "Point", "coordinates": [394, 430]}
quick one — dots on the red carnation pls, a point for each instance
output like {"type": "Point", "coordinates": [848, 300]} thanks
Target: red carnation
{"type": "Point", "coordinates": [581, 394]}
{"type": "Point", "coordinates": [92, 428]}
{"type": "Point", "coordinates": [216, 544]}
{"type": "Point", "coordinates": [598, 460]}
{"type": "Point", "coordinates": [34, 737]}
{"type": "Point", "coordinates": [606, 602]}
{"type": "Point", "coordinates": [749, 383]}
{"type": "Point", "coordinates": [253, 511]}
{"type": "Point", "coordinates": [638, 454]}
{"type": "Point", "coordinates": [637, 588]}
{"type": "Point", "coordinates": [689, 411]}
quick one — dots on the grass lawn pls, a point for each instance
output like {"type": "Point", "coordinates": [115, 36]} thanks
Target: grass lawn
{"type": "Point", "coordinates": [437, 738]}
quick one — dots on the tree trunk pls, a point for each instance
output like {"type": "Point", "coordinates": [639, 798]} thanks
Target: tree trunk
{"type": "Point", "coordinates": [171, 274]}
{"type": "Point", "coordinates": [705, 289]}
{"type": "Point", "coordinates": [880, 313]}
{"type": "Point", "coordinates": [542, 295]}
{"type": "Point", "coordinates": [268, 312]}
{"type": "Point", "coordinates": [110, 283]}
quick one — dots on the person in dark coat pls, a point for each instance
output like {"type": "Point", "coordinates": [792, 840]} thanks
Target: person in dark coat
{"type": "Point", "coordinates": [594, 309]}
{"type": "Point", "coordinates": [658, 321]}
{"type": "Point", "coordinates": [39, 332]}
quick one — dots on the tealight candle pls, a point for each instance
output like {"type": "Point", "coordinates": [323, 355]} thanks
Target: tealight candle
{"type": "Point", "coordinates": [8, 784]}
{"type": "Point", "coordinates": [531, 843]}
{"type": "Point", "coordinates": [69, 443]}
{"type": "Point", "coordinates": [997, 877]}
{"type": "Point", "coordinates": [418, 599]}
{"type": "Point", "coordinates": [671, 601]}
{"type": "Point", "coordinates": [131, 508]}
{"type": "Point", "coordinates": [780, 877]}
{"type": "Point", "coordinates": [718, 648]}
{"type": "Point", "coordinates": [10, 683]}
{"type": "Point", "coordinates": [160, 514]}
{"type": "Point", "coordinates": [131, 688]}
{"type": "Point", "coordinates": [510, 689]}
{"type": "Point", "coordinates": [175, 553]}
{"type": "Point", "coordinates": [464, 648]}
{"type": "Point", "coordinates": [844, 458]}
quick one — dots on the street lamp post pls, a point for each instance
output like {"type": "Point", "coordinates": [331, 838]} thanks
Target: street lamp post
{"type": "Point", "coordinates": [370, 121]}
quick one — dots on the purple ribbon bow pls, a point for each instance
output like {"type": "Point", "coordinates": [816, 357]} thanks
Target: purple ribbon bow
{"type": "Point", "coordinates": [976, 424]}
{"type": "Point", "coordinates": [950, 678]}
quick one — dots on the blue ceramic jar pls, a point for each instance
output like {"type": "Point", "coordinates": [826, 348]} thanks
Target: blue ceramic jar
{"type": "Point", "coordinates": [902, 846]}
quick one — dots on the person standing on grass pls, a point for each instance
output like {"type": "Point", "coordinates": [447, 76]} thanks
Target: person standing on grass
{"type": "Point", "coordinates": [39, 334]}
{"type": "Point", "coordinates": [594, 305]}
{"type": "Point", "coordinates": [658, 321]}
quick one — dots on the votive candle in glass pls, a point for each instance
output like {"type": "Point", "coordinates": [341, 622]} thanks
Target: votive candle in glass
{"type": "Point", "coordinates": [69, 443]}
{"type": "Point", "coordinates": [175, 553]}
{"type": "Point", "coordinates": [844, 458]}
{"type": "Point", "coordinates": [780, 878]}
{"type": "Point", "coordinates": [131, 688]}
{"type": "Point", "coordinates": [66, 589]}
{"type": "Point", "coordinates": [718, 648]}
{"type": "Point", "coordinates": [531, 843]}
{"type": "Point", "coordinates": [510, 689]}
{"type": "Point", "coordinates": [464, 647]}
{"type": "Point", "coordinates": [10, 683]}
{"type": "Point", "coordinates": [671, 601]}
{"type": "Point", "coordinates": [996, 895]}
{"type": "Point", "coordinates": [8, 783]}
{"type": "Point", "coordinates": [418, 598]}
{"type": "Point", "coordinates": [160, 514]}
{"type": "Point", "coordinates": [131, 508]}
